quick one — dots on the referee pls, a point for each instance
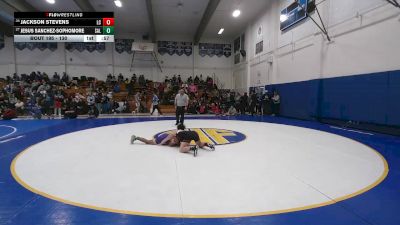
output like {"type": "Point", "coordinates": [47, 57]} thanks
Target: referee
{"type": "Point", "coordinates": [181, 103]}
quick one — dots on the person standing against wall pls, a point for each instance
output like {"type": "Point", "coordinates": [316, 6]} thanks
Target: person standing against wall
{"type": "Point", "coordinates": [244, 99]}
{"type": "Point", "coordinates": [253, 103]}
{"type": "Point", "coordinates": [276, 103]}
{"type": "Point", "coordinates": [181, 103]}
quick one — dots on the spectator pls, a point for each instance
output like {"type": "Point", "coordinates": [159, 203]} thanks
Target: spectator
{"type": "Point", "coordinates": [15, 77]}
{"type": "Point", "coordinates": [117, 88]}
{"type": "Point", "coordinates": [137, 101]}
{"type": "Point", "coordinates": [174, 80]}
{"type": "Point", "coordinates": [113, 80]}
{"type": "Point", "coordinates": [231, 98]}
{"type": "Point", "coordinates": [193, 107]}
{"type": "Point", "coordinates": [196, 80]}
{"type": "Point", "coordinates": [126, 106]}
{"type": "Point", "coordinates": [110, 95]}
{"type": "Point", "coordinates": [244, 103]}
{"type": "Point", "coordinates": [91, 100]}
{"type": "Point", "coordinates": [142, 81]}
{"type": "Point", "coordinates": [201, 79]}
{"type": "Point", "coordinates": [215, 109]}
{"type": "Point", "coordinates": [209, 82]}
{"type": "Point", "coordinates": [276, 102]}
{"type": "Point", "coordinates": [93, 111]}
{"type": "Point", "coordinates": [130, 87]}
{"type": "Point", "coordinates": [120, 78]}
{"type": "Point", "coordinates": [155, 102]}
{"type": "Point", "coordinates": [266, 104]}
{"type": "Point", "coordinates": [98, 99]}
{"type": "Point", "coordinates": [47, 104]}
{"type": "Point", "coordinates": [134, 78]}
{"type": "Point", "coordinates": [192, 88]}
{"type": "Point", "coordinates": [190, 80]}
{"type": "Point", "coordinates": [116, 107]}
{"type": "Point", "coordinates": [58, 99]}
{"type": "Point", "coordinates": [179, 80]}
{"type": "Point", "coordinates": [253, 103]}
{"type": "Point", "coordinates": [185, 87]}
{"type": "Point", "coordinates": [161, 90]}
{"type": "Point", "coordinates": [232, 111]}
{"type": "Point", "coordinates": [19, 107]}
{"type": "Point", "coordinates": [9, 114]}
{"type": "Point", "coordinates": [55, 79]}
{"type": "Point", "coordinates": [36, 88]}
{"type": "Point", "coordinates": [105, 103]}
{"type": "Point", "coordinates": [203, 108]}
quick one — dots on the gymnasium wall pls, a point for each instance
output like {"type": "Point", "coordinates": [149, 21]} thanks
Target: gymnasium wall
{"type": "Point", "coordinates": [98, 65]}
{"type": "Point", "coordinates": [354, 77]}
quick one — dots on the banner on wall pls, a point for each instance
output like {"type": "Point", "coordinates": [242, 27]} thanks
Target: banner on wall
{"type": "Point", "coordinates": [179, 48]}
{"type": "Point", "coordinates": [219, 50]}
{"type": "Point", "coordinates": [90, 46]}
{"type": "Point", "coordinates": [52, 46]}
{"type": "Point", "coordinates": [100, 46]}
{"type": "Point", "coordinates": [123, 45]}
{"type": "Point", "coordinates": [171, 47]}
{"type": "Point", "coordinates": [227, 50]}
{"type": "Point", "coordinates": [1, 41]}
{"type": "Point", "coordinates": [188, 48]}
{"type": "Point", "coordinates": [215, 49]}
{"type": "Point", "coordinates": [174, 47]}
{"type": "Point", "coordinates": [259, 47]}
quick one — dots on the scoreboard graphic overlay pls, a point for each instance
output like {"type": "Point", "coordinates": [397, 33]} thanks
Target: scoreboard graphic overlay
{"type": "Point", "coordinates": [63, 27]}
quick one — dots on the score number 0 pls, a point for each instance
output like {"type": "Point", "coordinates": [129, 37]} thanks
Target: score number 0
{"type": "Point", "coordinates": [108, 21]}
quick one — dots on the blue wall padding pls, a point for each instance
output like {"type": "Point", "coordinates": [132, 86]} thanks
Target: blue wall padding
{"type": "Point", "coordinates": [360, 98]}
{"type": "Point", "coordinates": [393, 99]}
{"type": "Point", "coordinates": [298, 100]}
{"type": "Point", "coordinates": [372, 98]}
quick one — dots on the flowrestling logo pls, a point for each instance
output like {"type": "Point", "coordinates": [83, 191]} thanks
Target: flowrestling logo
{"type": "Point", "coordinates": [215, 136]}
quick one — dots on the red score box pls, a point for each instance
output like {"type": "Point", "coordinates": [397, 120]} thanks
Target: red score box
{"type": "Point", "coordinates": [108, 21]}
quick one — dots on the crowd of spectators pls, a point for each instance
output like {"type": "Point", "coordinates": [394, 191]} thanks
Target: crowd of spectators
{"type": "Point", "coordinates": [39, 95]}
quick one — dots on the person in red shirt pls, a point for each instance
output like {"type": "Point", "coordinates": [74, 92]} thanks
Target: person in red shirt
{"type": "Point", "coordinates": [58, 99]}
{"type": "Point", "coordinates": [215, 109]}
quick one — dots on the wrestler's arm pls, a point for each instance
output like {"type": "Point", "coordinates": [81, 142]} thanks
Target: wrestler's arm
{"type": "Point", "coordinates": [169, 137]}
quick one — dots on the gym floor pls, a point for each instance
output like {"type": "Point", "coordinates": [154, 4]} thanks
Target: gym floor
{"type": "Point", "coordinates": [264, 170]}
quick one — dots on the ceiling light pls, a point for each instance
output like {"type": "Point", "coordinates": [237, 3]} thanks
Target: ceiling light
{"type": "Point", "coordinates": [236, 13]}
{"type": "Point", "coordinates": [283, 18]}
{"type": "Point", "coordinates": [118, 3]}
{"type": "Point", "coordinates": [221, 31]}
{"type": "Point", "coordinates": [51, 1]}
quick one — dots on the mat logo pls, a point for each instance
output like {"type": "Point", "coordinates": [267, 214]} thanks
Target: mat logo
{"type": "Point", "coordinates": [216, 136]}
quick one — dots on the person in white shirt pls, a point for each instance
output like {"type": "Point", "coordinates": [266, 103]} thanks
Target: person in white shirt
{"type": "Point", "coordinates": [181, 103]}
{"type": "Point", "coordinates": [137, 101]}
{"type": "Point", "coordinates": [276, 102]}
{"type": "Point", "coordinates": [232, 111]}
{"type": "Point", "coordinates": [19, 106]}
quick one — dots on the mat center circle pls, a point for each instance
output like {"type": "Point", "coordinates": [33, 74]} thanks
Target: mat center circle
{"type": "Point", "coordinates": [270, 169]}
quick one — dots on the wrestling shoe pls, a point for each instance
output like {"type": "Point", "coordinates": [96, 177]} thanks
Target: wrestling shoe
{"type": "Point", "coordinates": [133, 139]}
{"type": "Point", "coordinates": [211, 146]}
{"type": "Point", "coordinates": [194, 149]}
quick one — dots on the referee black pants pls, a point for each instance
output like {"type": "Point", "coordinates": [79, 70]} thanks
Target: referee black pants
{"type": "Point", "coordinates": [180, 114]}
